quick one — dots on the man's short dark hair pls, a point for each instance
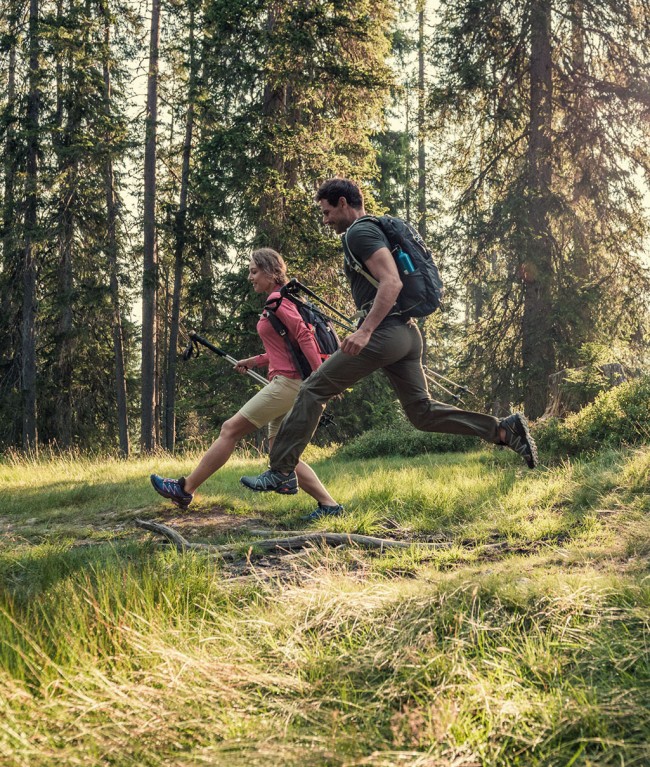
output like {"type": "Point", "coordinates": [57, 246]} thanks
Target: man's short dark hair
{"type": "Point", "coordinates": [335, 188]}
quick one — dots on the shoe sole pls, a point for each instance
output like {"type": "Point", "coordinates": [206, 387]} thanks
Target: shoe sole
{"type": "Point", "coordinates": [180, 504]}
{"type": "Point", "coordinates": [286, 491]}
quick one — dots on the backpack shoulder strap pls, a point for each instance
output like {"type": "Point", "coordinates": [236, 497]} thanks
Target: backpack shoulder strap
{"type": "Point", "coordinates": [352, 260]}
{"type": "Point", "coordinates": [270, 308]}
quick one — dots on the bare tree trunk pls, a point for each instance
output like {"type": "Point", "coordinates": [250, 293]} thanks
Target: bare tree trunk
{"type": "Point", "coordinates": [28, 366]}
{"type": "Point", "coordinates": [408, 158]}
{"type": "Point", "coordinates": [422, 160]}
{"type": "Point", "coordinates": [150, 271]}
{"type": "Point", "coordinates": [12, 254]}
{"type": "Point", "coordinates": [111, 251]}
{"type": "Point", "coordinates": [64, 411]}
{"type": "Point", "coordinates": [181, 215]}
{"type": "Point", "coordinates": [537, 344]}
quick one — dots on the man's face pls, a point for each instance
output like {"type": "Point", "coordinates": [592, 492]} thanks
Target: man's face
{"type": "Point", "coordinates": [338, 217]}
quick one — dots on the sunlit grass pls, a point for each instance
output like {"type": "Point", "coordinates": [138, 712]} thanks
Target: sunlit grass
{"type": "Point", "coordinates": [521, 638]}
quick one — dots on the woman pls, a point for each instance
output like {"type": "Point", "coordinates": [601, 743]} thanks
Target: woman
{"type": "Point", "coordinates": [268, 273]}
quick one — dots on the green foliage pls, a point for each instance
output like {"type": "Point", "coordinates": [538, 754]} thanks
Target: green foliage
{"type": "Point", "coordinates": [289, 94]}
{"type": "Point", "coordinates": [616, 417]}
{"type": "Point", "coordinates": [403, 439]}
{"type": "Point", "coordinates": [586, 381]}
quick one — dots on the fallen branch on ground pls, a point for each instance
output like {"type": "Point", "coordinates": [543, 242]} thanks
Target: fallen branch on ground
{"type": "Point", "coordinates": [294, 542]}
{"type": "Point", "coordinates": [290, 543]}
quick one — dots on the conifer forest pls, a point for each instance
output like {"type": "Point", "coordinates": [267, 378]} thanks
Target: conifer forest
{"type": "Point", "coordinates": [149, 147]}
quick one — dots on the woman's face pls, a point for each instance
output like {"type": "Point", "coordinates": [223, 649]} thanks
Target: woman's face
{"type": "Point", "coordinates": [262, 281]}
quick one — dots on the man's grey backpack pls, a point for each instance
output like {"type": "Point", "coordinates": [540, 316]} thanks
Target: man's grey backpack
{"type": "Point", "coordinates": [422, 289]}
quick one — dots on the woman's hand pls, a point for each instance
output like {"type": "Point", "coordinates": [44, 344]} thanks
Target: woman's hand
{"type": "Point", "coordinates": [243, 366]}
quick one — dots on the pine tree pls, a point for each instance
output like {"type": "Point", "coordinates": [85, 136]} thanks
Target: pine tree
{"type": "Point", "coordinates": [550, 232]}
{"type": "Point", "coordinates": [63, 145]}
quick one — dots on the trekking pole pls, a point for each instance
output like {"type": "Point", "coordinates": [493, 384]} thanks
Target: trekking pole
{"type": "Point", "coordinates": [195, 339]}
{"type": "Point", "coordinates": [430, 379]}
{"type": "Point", "coordinates": [463, 389]}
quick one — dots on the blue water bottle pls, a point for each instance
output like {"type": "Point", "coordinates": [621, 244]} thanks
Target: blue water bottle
{"type": "Point", "coordinates": [404, 263]}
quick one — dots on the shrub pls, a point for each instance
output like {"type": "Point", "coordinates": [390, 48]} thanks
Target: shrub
{"type": "Point", "coordinates": [403, 439]}
{"type": "Point", "coordinates": [616, 417]}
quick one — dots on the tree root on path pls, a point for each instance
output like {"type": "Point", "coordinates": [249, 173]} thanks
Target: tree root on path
{"type": "Point", "coordinates": [290, 543]}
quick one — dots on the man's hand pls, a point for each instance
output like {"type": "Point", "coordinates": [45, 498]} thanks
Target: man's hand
{"type": "Point", "coordinates": [356, 342]}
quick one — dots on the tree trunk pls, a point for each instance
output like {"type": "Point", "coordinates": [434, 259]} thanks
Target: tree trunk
{"type": "Point", "coordinates": [580, 271]}
{"type": "Point", "coordinates": [422, 160]}
{"type": "Point", "coordinates": [11, 256]}
{"type": "Point", "coordinates": [111, 251]}
{"type": "Point", "coordinates": [181, 215]}
{"type": "Point", "coordinates": [150, 271]}
{"type": "Point", "coordinates": [538, 355]}
{"type": "Point", "coordinates": [408, 158]}
{"type": "Point", "coordinates": [64, 411]}
{"type": "Point", "coordinates": [28, 366]}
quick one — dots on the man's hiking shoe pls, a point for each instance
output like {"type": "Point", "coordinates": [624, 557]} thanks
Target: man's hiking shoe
{"type": "Point", "coordinates": [519, 439]}
{"type": "Point", "coordinates": [174, 489]}
{"type": "Point", "coordinates": [324, 511]}
{"type": "Point", "coordinates": [285, 484]}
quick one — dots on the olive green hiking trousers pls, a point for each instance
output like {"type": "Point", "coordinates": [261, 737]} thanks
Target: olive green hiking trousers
{"type": "Point", "coordinates": [396, 348]}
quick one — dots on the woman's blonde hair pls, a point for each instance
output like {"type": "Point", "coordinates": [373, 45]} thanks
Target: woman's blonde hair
{"type": "Point", "coordinates": [272, 263]}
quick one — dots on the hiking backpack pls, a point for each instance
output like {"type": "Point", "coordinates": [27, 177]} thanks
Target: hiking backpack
{"type": "Point", "coordinates": [319, 324]}
{"type": "Point", "coordinates": [422, 289]}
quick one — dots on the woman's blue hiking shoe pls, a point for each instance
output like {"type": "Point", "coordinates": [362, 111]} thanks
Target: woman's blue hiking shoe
{"type": "Point", "coordinates": [324, 511]}
{"type": "Point", "coordinates": [276, 481]}
{"type": "Point", "coordinates": [519, 439]}
{"type": "Point", "coordinates": [174, 489]}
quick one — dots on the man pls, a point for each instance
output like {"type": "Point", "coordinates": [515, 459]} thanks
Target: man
{"type": "Point", "coordinates": [384, 340]}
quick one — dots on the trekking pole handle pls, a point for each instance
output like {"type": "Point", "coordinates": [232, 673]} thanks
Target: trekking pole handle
{"type": "Point", "coordinates": [204, 342]}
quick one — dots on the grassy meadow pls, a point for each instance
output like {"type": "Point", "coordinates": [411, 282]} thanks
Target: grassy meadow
{"type": "Point", "coordinates": [520, 638]}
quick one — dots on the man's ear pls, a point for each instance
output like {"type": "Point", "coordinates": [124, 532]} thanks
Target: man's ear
{"type": "Point", "coordinates": [342, 203]}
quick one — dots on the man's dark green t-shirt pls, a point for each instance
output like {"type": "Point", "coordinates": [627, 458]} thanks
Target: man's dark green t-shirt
{"type": "Point", "coordinates": [363, 238]}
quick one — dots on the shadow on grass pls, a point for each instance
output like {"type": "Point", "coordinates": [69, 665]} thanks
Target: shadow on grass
{"type": "Point", "coordinates": [59, 499]}
{"type": "Point", "coordinates": [29, 571]}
